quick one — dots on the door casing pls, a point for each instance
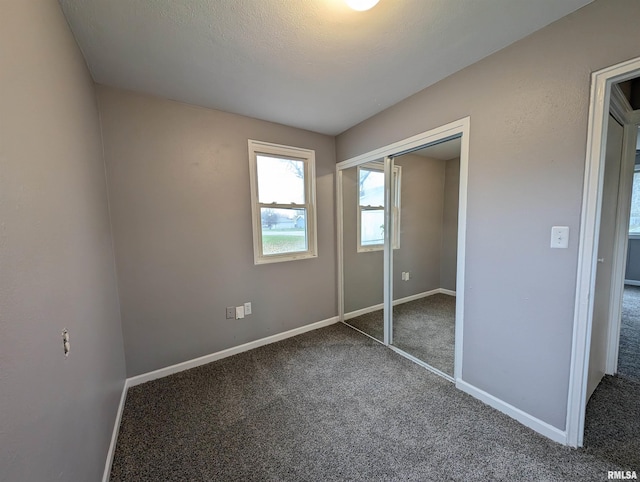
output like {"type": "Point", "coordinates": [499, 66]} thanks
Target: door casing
{"type": "Point", "coordinates": [600, 102]}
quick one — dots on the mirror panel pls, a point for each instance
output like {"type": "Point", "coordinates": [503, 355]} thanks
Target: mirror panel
{"type": "Point", "coordinates": [362, 244]}
{"type": "Point", "coordinates": [424, 262]}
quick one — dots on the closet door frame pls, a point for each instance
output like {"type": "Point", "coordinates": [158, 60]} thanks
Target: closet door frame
{"type": "Point", "coordinates": [459, 128]}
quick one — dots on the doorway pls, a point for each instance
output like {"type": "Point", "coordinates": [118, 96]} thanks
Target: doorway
{"type": "Point", "coordinates": [602, 249]}
{"type": "Point", "coordinates": [401, 239]}
{"type": "Point", "coordinates": [611, 422]}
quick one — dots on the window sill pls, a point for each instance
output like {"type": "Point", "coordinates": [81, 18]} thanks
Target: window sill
{"type": "Point", "coordinates": [282, 258]}
{"type": "Point", "coordinates": [367, 249]}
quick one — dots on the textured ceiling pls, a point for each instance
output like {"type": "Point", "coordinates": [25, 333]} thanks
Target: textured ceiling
{"type": "Point", "coordinates": [312, 64]}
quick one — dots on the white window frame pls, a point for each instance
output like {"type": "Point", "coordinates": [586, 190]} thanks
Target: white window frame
{"type": "Point", "coordinates": [397, 178]}
{"type": "Point", "coordinates": [308, 156]}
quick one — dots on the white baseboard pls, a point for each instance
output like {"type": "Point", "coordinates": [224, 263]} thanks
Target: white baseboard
{"type": "Point", "coordinates": [203, 360]}
{"type": "Point", "coordinates": [417, 296]}
{"type": "Point", "coordinates": [363, 311]}
{"type": "Point", "coordinates": [114, 434]}
{"type": "Point", "coordinates": [524, 418]}
{"type": "Point", "coordinates": [632, 282]}
{"type": "Point", "coordinates": [399, 301]}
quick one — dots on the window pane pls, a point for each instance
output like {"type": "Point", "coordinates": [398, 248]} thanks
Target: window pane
{"type": "Point", "coordinates": [634, 222]}
{"type": "Point", "coordinates": [283, 230]}
{"type": "Point", "coordinates": [280, 180]}
{"type": "Point", "coordinates": [372, 227]}
{"type": "Point", "coordinates": [371, 188]}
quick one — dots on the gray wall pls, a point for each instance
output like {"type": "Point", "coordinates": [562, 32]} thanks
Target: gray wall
{"type": "Point", "coordinates": [632, 271]}
{"type": "Point", "coordinates": [180, 202]}
{"type": "Point", "coordinates": [449, 256]}
{"type": "Point", "coordinates": [56, 258]}
{"type": "Point", "coordinates": [428, 234]}
{"type": "Point", "coordinates": [528, 106]}
{"type": "Point", "coordinates": [423, 182]}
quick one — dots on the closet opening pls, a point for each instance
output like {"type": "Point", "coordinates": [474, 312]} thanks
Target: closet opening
{"type": "Point", "coordinates": [401, 242]}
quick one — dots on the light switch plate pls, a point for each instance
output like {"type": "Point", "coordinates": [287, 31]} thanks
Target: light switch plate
{"type": "Point", "coordinates": [247, 308]}
{"type": "Point", "coordinates": [239, 312]}
{"type": "Point", "coordinates": [560, 237]}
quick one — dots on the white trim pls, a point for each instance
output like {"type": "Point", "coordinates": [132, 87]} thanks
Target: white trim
{"type": "Point", "coordinates": [203, 360]}
{"type": "Point", "coordinates": [619, 106]}
{"type": "Point", "coordinates": [114, 434]}
{"type": "Point", "coordinates": [521, 416]}
{"type": "Point", "coordinates": [340, 250]}
{"type": "Point", "coordinates": [399, 301]}
{"type": "Point", "coordinates": [387, 262]}
{"type": "Point", "coordinates": [601, 82]}
{"type": "Point", "coordinates": [465, 129]}
{"type": "Point", "coordinates": [632, 282]}
{"type": "Point", "coordinates": [363, 311]}
{"type": "Point", "coordinates": [417, 296]}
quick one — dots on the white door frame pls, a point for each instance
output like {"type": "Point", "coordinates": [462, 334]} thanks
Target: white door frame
{"type": "Point", "coordinates": [601, 83]}
{"type": "Point", "coordinates": [460, 128]}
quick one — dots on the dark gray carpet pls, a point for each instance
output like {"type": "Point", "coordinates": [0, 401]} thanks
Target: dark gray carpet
{"type": "Point", "coordinates": [612, 422]}
{"type": "Point", "coordinates": [424, 328]}
{"type": "Point", "coordinates": [629, 352]}
{"type": "Point", "coordinates": [370, 323]}
{"type": "Point", "coordinates": [331, 404]}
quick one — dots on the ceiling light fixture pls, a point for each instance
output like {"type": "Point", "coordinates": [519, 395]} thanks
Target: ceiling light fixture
{"type": "Point", "coordinates": [361, 5]}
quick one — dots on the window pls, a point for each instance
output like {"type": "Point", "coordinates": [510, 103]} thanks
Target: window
{"type": "Point", "coordinates": [634, 219]}
{"type": "Point", "coordinates": [283, 202]}
{"type": "Point", "coordinates": [371, 207]}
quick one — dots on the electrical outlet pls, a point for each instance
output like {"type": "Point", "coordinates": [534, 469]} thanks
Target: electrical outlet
{"type": "Point", "coordinates": [231, 312]}
{"type": "Point", "coordinates": [247, 308]}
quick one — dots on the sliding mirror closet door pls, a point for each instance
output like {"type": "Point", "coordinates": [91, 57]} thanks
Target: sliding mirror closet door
{"type": "Point", "coordinates": [362, 247]}
{"type": "Point", "coordinates": [425, 239]}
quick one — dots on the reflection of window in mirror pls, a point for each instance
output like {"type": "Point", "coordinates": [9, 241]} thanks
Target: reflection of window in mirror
{"type": "Point", "coordinates": [371, 207]}
{"type": "Point", "coordinates": [634, 220]}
